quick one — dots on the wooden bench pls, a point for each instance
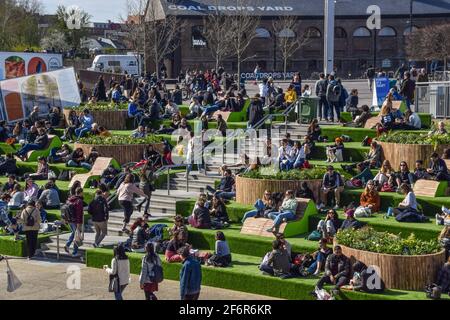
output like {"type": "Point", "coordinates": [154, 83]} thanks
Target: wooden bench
{"type": "Point", "coordinates": [431, 188]}
{"type": "Point", "coordinates": [447, 162]}
{"type": "Point", "coordinates": [372, 122]}
{"type": "Point", "coordinates": [53, 142]}
{"type": "Point", "coordinates": [97, 170]}
{"type": "Point", "coordinates": [259, 226]}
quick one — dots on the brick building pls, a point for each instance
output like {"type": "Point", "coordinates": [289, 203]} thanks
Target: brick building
{"type": "Point", "coordinates": [354, 42]}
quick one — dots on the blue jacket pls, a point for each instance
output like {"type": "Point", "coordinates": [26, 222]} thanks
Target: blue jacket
{"type": "Point", "coordinates": [190, 277]}
{"type": "Point", "coordinates": [132, 109]}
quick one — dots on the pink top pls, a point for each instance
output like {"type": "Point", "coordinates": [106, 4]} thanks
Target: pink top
{"type": "Point", "coordinates": [126, 192]}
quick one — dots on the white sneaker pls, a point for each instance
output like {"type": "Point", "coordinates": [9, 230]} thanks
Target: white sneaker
{"type": "Point", "coordinates": [316, 273]}
{"type": "Point", "coordinates": [445, 210]}
{"type": "Point", "coordinates": [336, 207]}
{"type": "Point", "coordinates": [320, 206]}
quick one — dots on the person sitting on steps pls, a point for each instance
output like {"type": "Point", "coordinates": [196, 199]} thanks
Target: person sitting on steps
{"type": "Point", "coordinates": [286, 212]}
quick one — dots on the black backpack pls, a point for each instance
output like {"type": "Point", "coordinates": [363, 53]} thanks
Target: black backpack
{"type": "Point", "coordinates": [337, 90]}
{"type": "Point", "coordinates": [68, 212]}
{"type": "Point", "coordinates": [30, 219]}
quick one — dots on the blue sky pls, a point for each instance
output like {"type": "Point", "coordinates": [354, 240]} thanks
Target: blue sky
{"type": "Point", "coordinates": [100, 10]}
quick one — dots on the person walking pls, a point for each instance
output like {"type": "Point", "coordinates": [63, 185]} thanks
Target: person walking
{"type": "Point", "coordinates": [145, 184]}
{"type": "Point", "coordinates": [126, 192]}
{"type": "Point", "coordinates": [408, 89]}
{"type": "Point", "coordinates": [334, 91]}
{"type": "Point", "coordinates": [31, 220]}
{"type": "Point", "coordinates": [120, 268]}
{"type": "Point", "coordinates": [370, 73]}
{"type": "Point", "coordinates": [149, 261]}
{"type": "Point", "coordinates": [99, 211]}
{"type": "Point", "coordinates": [75, 221]}
{"type": "Point", "coordinates": [190, 276]}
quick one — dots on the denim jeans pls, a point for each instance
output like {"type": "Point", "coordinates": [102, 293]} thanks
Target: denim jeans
{"type": "Point", "coordinates": [85, 165]}
{"type": "Point", "coordinates": [323, 107]}
{"type": "Point", "coordinates": [285, 166]}
{"type": "Point", "coordinates": [259, 206]}
{"type": "Point", "coordinates": [28, 147]}
{"type": "Point", "coordinates": [320, 258]}
{"type": "Point", "coordinates": [73, 229]}
{"type": "Point", "coordinates": [226, 195]}
{"type": "Point", "coordinates": [211, 109]}
{"type": "Point", "coordinates": [334, 107]}
{"type": "Point", "coordinates": [278, 217]}
{"type": "Point", "coordinates": [118, 294]}
{"type": "Point", "coordinates": [80, 132]}
{"type": "Point", "coordinates": [298, 163]}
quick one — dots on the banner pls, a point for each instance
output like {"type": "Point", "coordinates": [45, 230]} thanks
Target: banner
{"type": "Point", "coordinates": [275, 75]}
{"type": "Point", "coordinates": [20, 64]}
{"type": "Point", "coordinates": [46, 90]}
{"type": "Point", "coordinates": [381, 87]}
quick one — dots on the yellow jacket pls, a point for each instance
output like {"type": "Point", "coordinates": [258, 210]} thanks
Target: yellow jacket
{"type": "Point", "coordinates": [290, 96]}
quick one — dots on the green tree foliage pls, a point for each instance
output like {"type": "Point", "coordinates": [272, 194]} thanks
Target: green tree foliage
{"type": "Point", "coordinates": [19, 21]}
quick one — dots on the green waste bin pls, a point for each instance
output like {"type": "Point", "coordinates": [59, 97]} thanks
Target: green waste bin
{"type": "Point", "coordinates": [308, 109]}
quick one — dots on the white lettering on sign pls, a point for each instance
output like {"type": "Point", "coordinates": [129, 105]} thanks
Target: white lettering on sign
{"type": "Point", "coordinates": [227, 8]}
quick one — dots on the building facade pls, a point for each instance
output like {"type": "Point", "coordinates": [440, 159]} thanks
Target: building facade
{"type": "Point", "coordinates": [354, 43]}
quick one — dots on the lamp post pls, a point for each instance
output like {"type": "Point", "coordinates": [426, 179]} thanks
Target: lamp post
{"type": "Point", "coordinates": [329, 37]}
{"type": "Point", "coordinates": [375, 48]}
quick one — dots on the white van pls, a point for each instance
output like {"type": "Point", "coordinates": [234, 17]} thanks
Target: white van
{"type": "Point", "coordinates": [117, 64]}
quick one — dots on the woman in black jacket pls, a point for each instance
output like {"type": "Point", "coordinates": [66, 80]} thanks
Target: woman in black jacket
{"type": "Point", "coordinates": [145, 184]}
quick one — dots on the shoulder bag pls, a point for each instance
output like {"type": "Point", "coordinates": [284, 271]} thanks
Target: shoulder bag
{"type": "Point", "coordinates": [114, 283]}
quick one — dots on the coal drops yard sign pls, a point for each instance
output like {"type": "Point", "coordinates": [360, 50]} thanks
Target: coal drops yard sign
{"type": "Point", "coordinates": [203, 8]}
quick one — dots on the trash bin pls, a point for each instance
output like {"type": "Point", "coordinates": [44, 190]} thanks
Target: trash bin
{"type": "Point", "coordinates": [308, 109]}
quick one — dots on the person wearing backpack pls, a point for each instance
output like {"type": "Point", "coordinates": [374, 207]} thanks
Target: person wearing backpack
{"type": "Point", "coordinates": [73, 212]}
{"type": "Point", "coordinates": [321, 93]}
{"type": "Point", "coordinates": [151, 265]}
{"type": "Point", "coordinates": [334, 91]}
{"type": "Point", "coordinates": [30, 218]}
{"type": "Point", "coordinates": [99, 211]}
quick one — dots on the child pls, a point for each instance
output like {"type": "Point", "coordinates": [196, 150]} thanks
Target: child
{"type": "Point", "coordinates": [335, 152]}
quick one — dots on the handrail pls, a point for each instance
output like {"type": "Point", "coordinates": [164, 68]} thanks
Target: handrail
{"type": "Point", "coordinates": [270, 117]}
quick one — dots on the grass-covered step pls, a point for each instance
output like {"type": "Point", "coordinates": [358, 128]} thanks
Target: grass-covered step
{"type": "Point", "coordinates": [356, 134]}
{"type": "Point", "coordinates": [430, 206]}
{"type": "Point", "coordinates": [30, 167]}
{"type": "Point", "coordinates": [353, 151]}
{"type": "Point", "coordinates": [235, 210]}
{"type": "Point", "coordinates": [244, 276]}
{"type": "Point", "coordinates": [10, 247]}
{"type": "Point", "coordinates": [425, 118]}
{"type": "Point", "coordinates": [425, 231]}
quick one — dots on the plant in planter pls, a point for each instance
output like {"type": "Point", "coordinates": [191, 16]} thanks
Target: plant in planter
{"type": "Point", "coordinates": [119, 140]}
{"type": "Point", "coordinates": [102, 107]}
{"type": "Point", "coordinates": [367, 239]}
{"type": "Point", "coordinates": [414, 138]}
{"type": "Point", "coordinates": [271, 174]}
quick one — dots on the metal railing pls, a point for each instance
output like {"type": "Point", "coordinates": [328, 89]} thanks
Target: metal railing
{"type": "Point", "coordinates": [433, 98]}
{"type": "Point", "coordinates": [271, 116]}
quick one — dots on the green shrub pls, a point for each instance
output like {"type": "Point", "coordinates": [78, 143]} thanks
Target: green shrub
{"type": "Point", "coordinates": [271, 174]}
{"type": "Point", "coordinates": [119, 140]}
{"type": "Point", "coordinates": [367, 239]}
{"type": "Point", "coordinates": [415, 138]}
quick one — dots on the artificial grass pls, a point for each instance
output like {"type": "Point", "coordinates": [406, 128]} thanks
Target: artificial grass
{"type": "Point", "coordinates": [425, 118]}
{"type": "Point", "coordinates": [244, 276]}
{"type": "Point", "coordinates": [9, 247]}
{"type": "Point", "coordinates": [352, 150]}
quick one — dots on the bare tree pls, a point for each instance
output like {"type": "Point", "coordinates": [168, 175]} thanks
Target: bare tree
{"type": "Point", "coordinates": [135, 28]}
{"type": "Point", "coordinates": [287, 40]}
{"type": "Point", "coordinates": [430, 43]}
{"type": "Point", "coordinates": [219, 35]}
{"type": "Point", "coordinates": [162, 33]}
{"type": "Point", "coordinates": [243, 27]}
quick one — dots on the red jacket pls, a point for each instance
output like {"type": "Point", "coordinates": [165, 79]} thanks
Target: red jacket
{"type": "Point", "coordinates": [78, 204]}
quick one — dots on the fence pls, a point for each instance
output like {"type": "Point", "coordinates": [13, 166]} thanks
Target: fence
{"type": "Point", "coordinates": [433, 98]}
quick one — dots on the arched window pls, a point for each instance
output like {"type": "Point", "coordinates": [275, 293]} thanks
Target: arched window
{"type": "Point", "coordinates": [362, 32]}
{"type": "Point", "coordinates": [286, 33]}
{"type": "Point", "coordinates": [313, 33]}
{"type": "Point", "coordinates": [407, 31]}
{"type": "Point", "coordinates": [340, 33]}
{"type": "Point", "coordinates": [387, 32]}
{"type": "Point", "coordinates": [198, 40]}
{"type": "Point", "coordinates": [262, 33]}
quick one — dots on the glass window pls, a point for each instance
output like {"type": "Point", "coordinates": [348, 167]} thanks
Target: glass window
{"type": "Point", "coordinates": [340, 33]}
{"type": "Point", "coordinates": [262, 33]}
{"type": "Point", "coordinates": [313, 33]}
{"type": "Point", "coordinates": [362, 32]}
{"type": "Point", "coordinates": [113, 63]}
{"type": "Point", "coordinates": [286, 33]}
{"type": "Point", "coordinates": [407, 31]}
{"type": "Point", "coordinates": [387, 32]}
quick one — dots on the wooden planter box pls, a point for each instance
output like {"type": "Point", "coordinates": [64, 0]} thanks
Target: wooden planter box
{"type": "Point", "coordinates": [249, 190]}
{"type": "Point", "coordinates": [121, 153]}
{"type": "Point", "coordinates": [111, 120]}
{"type": "Point", "coordinates": [401, 272]}
{"type": "Point", "coordinates": [396, 153]}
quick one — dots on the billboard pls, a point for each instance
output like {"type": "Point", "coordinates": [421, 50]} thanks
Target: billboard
{"type": "Point", "coordinates": [46, 90]}
{"type": "Point", "coordinates": [20, 64]}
